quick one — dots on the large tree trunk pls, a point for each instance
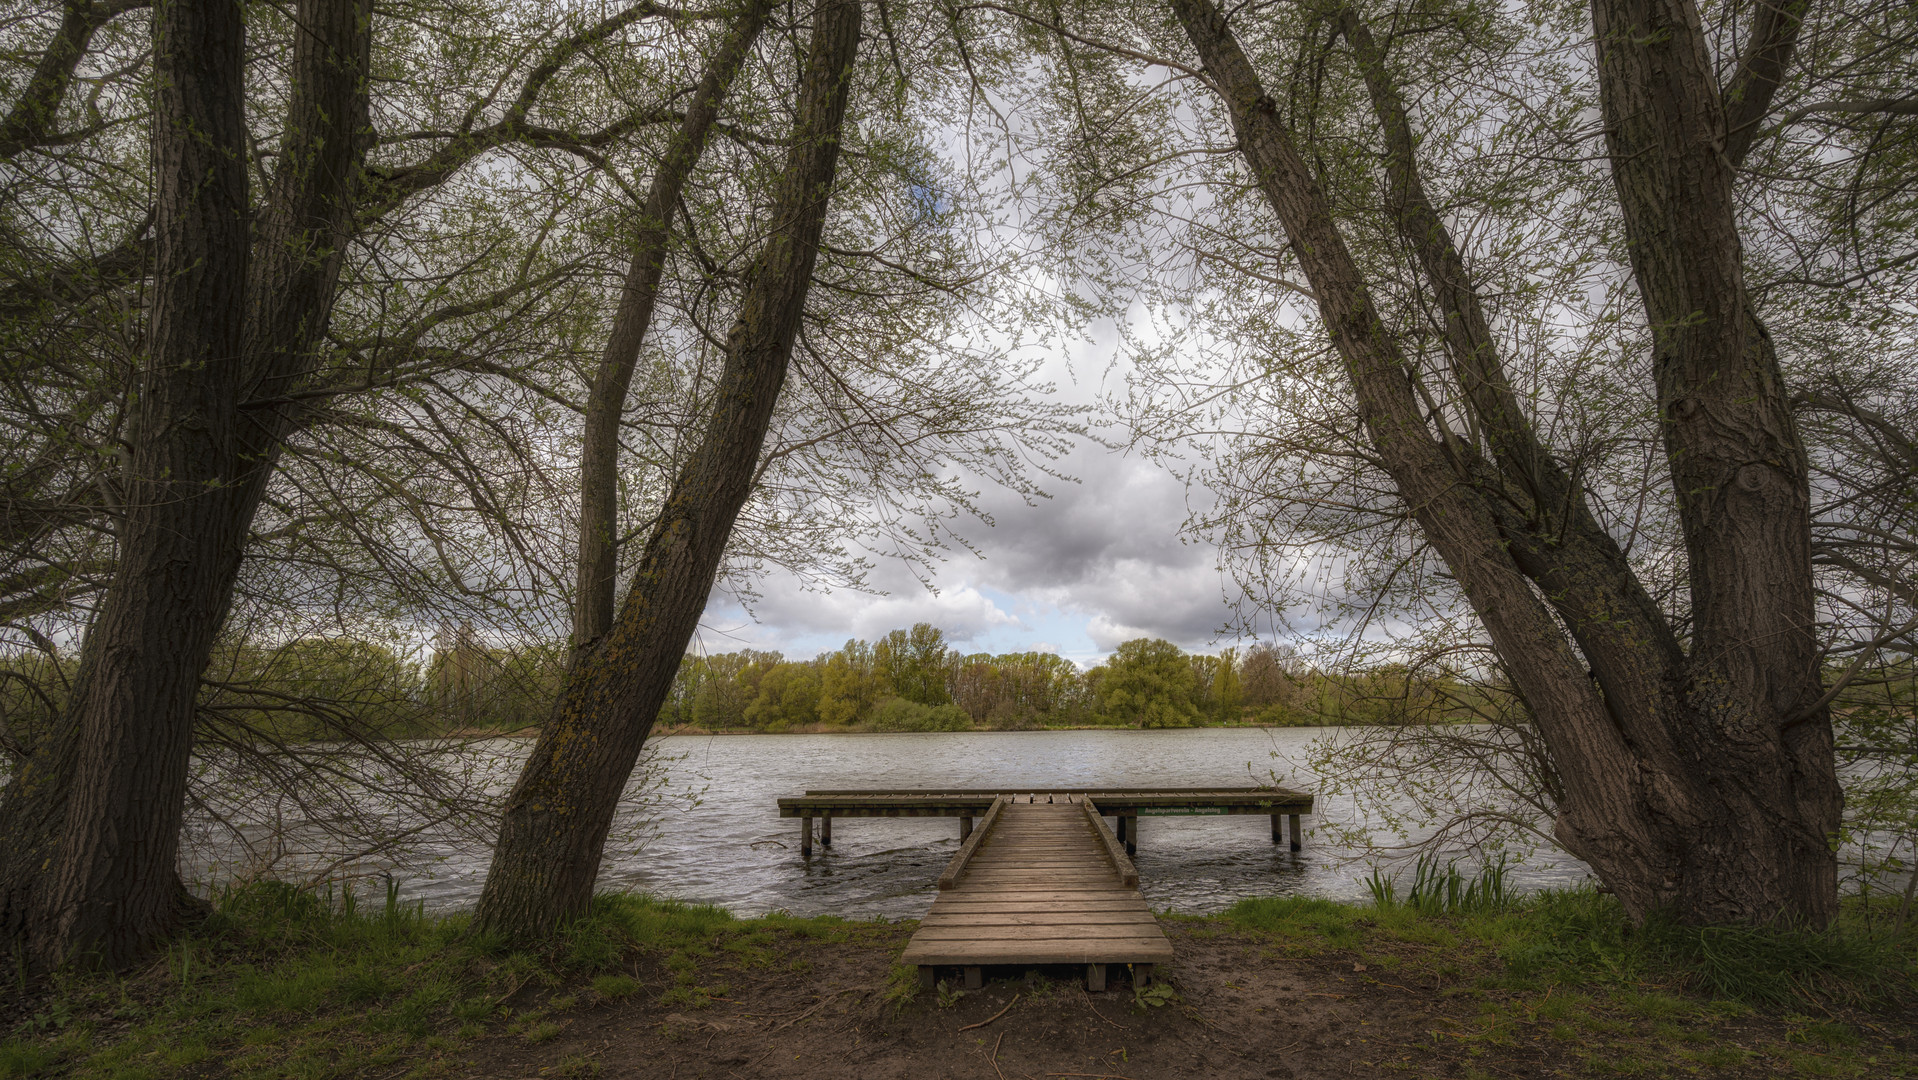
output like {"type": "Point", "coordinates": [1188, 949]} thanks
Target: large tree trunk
{"type": "Point", "coordinates": [1678, 787]}
{"type": "Point", "coordinates": [606, 401]}
{"type": "Point", "coordinates": [104, 805]}
{"type": "Point", "coordinates": [1748, 714]}
{"type": "Point", "coordinates": [92, 823]}
{"type": "Point", "coordinates": [560, 811]}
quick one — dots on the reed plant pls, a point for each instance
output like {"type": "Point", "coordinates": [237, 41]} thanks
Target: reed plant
{"type": "Point", "coordinates": [1445, 890]}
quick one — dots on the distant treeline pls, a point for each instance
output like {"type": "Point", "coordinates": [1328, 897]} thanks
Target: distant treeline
{"type": "Point", "coordinates": [909, 680]}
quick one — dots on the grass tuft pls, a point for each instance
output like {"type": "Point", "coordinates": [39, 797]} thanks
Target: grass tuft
{"type": "Point", "coordinates": [1299, 917]}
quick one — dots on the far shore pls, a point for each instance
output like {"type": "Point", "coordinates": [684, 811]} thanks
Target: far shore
{"type": "Point", "coordinates": [834, 729]}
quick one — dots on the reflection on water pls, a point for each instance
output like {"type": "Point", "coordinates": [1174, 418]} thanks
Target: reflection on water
{"type": "Point", "coordinates": [733, 849]}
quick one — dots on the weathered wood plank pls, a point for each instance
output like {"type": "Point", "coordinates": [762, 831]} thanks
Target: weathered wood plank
{"type": "Point", "coordinates": [1040, 918]}
{"type": "Point", "coordinates": [966, 802]}
{"type": "Point", "coordinates": [1082, 899]}
{"type": "Point", "coordinates": [1068, 907]}
{"type": "Point", "coordinates": [945, 954]}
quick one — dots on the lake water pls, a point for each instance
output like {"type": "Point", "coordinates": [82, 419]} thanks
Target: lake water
{"type": "Point", "coordinates": [731, 848]}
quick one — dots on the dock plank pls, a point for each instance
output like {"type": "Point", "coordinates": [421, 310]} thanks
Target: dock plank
{"type": "Point", "coordinates": [1040, 889]}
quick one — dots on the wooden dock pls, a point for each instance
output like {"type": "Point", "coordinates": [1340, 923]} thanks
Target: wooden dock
{"type": "Point", "coordinates": [1042, 881]}
{"type": "Point", "coordinates": [1126, 805]}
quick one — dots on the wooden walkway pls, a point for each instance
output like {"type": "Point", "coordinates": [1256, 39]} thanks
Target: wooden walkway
{"type": "Point", "coordinates": [1126, 805]}
{"type": "Point", "coordinates": [1041, 881]}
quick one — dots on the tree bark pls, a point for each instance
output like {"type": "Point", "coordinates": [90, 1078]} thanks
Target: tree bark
{"type": "Point", "coordinates": [606, 401]}
{"type": "Point", "coordinates": [91, 825]}
{"type": "Point", "coordinates": [1683, 787]}
{"type": "Point", "coordinates": [1751, 686]}
{"type": "Point", "coordinates": [560, 811]}
{"type": "Point", "coordinates": [106, 802]}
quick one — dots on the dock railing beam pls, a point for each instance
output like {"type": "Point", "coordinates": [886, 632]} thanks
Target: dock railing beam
{"type": "Point", "coordinates": [964, 855]}
{"type": "Point", "coordinates": [1115, 851]}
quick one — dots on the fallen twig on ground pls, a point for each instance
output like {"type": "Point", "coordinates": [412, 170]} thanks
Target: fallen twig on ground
{"type": "Point", "coordinates": [815, 1008]}
{"type": "Point", "coordinates": [1087, 1002]}
{"type": "Point", "coordinates": [994, 1016]}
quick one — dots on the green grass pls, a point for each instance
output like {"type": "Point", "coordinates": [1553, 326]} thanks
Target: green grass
{"type": "Point", "coordinates": [284, 983]}
{"type": "Point", "coordinates": [1567, 969]}
{"type": "Point", "coordinates": [1579, 938]}
{"type": "Point", "coordinates": [1300, 920]}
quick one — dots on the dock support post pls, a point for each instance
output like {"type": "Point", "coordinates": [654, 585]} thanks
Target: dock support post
{"type": "Point", "coordinates": [975, 978]}
{"type": "Point", "coordinates": [825, 831]}
{"type": "Point", "coordinates": [926, 984]}
{"type": "Point", "coordinates": [1278, 828]}
{"type": "Point", "coordinates": [1131, 834]}
{"type": "Point", "coordinates": [805, 835]}
{"type": "Point", "coordinates": [1096, 978]}
{"type": "Point", "coordinates": [965, 827]}
{"type": "Point", "coordinates": [1293, 820]}
{"type": "Point", "coordinates": [1141, 976]}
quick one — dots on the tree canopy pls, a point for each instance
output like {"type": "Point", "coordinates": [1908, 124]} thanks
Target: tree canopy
{"type": "Point", "coordinates": [1552, 362]}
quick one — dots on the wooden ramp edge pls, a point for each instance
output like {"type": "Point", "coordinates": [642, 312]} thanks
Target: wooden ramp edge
{"type": "Point", "coordinates": [1039, 885]}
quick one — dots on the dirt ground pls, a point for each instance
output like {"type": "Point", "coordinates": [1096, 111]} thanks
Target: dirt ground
{"type": "Point", "coordinates": [1237, 1007]}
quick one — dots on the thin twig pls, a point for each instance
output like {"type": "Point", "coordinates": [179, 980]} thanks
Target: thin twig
{"type": "Point", "coordinates": [1087, 1000]}
{"type": "Point", "coordinates": [994, 1058]}
{"type": "Point", "coordinates": [994, 1016]}
{"type": "Point", "coordinates": [815, 1008]}
{"type": "Point", "coordinates": [516, 989]}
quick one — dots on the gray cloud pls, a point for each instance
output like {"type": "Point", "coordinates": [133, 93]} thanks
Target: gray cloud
{"type": "Point", "coordinates": [1101, 561]}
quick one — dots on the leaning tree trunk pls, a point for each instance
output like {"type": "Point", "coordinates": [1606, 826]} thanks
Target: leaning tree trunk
{"type": "Point", "coordinates": [558, 815]}
{"type": "Point", "coordinates": [91, 826]}
{"type": "Point", "coordinates": [107, 803]}
{"type": "Point", "coordinates": [1678, 788]}
{"type": "Point", "coordinates": [606, 401]}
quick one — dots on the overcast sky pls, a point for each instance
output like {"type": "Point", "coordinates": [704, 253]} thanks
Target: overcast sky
{"type": "Point", "coordinates": [1099, 563]}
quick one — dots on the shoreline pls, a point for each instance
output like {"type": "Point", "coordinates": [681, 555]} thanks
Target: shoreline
{"type": "Point", "coordinates": [830, 729]}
